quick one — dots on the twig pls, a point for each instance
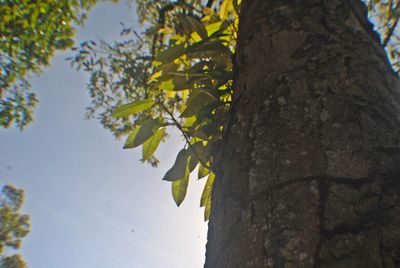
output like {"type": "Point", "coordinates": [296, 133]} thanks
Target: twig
{"type": "Point", "coordinates": [391, 30]}
{"type": "Point", "coordinates": [184, 135]}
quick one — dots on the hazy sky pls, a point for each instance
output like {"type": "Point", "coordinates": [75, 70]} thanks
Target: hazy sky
{"type": "Point", "coordinates": [92, 204]}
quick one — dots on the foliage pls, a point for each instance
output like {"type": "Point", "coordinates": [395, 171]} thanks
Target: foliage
{"type": "Point", "coordinates": [30, 33]}
{"type": "Point", "coordinates": [13, 226]}
{"type": "Point", "coordinates": [386, 16]}
{"type": "Point", "coordinates": [179, 73]}
{"type": "Point", "coordinates": [13, 261]}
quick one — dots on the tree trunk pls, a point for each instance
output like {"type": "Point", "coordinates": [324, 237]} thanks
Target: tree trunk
{"type": "Point", "coordinates": [309, 173]}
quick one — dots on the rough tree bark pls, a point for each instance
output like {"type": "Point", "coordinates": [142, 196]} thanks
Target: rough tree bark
{"type": "Point", "coordinates": [310, 169]}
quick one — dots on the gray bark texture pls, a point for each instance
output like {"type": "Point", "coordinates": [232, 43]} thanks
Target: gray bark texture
{"type": "Point", "coordinates": [309, 169]}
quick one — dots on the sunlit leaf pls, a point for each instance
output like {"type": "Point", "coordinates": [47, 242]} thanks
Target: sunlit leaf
{"type": "Point", "coordinates": [155, 76]}
{"type": "Point", "coordinates": [129, 143]}
{"type": "Point", "coordinates": [207, 210]}
{"type": "Point", "coordinates": [178, 170]}
{"type": "Point", "coordinates": [167, 85]}
{"type": "Point", "coordinates": [206, 195]}
{"type": "Point", "coordinates": [196, 102]}
{"type": "Point", "coordinates": [192, 24]}
{"type": "Point", "coordinates": [203, 171]}
{"type": "Point", "coordinates": [213, 27]}
{"type": "Point", "coordinates": [133, 108]}
{"type": "Point", "coordinates": [226, 6]}
{"type": "Point", "coordinates": [205, 200]}
{"type": "Point", "coordinates": [171, 53]}
{"type": "Point", "coordinates": [193, 161]}
{"type": "Point", "coordinates": [146, 131]}
{"type": "Point", "coordinates": [236, 5]}
{"type": "Point", "coordinates": [179, 189]}
{"type": "Point", "coordinates": [150, 146]}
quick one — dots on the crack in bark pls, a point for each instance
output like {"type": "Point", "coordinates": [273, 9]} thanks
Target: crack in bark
{"type": "Point", "coordinates": [381, 250]}
{"type": "Point", "coordinates": [356, 183]}
{"type": "Point", "coordinates": [323, 188]}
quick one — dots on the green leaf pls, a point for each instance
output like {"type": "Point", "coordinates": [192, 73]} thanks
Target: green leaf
{"type": "Point", "coordinates": [195, 150]}
{"type": "Point", "coordinates": [179, 189]}
{"type": "Point", "coordinates": [146, 131]}
{"type": "Point", "coordinates": [150, 146]}
{"type": "Point", "coordinates": [174, 81]}
{"type": "Point", "coordinates": [203, 171]}
{"type": "Point", "coordinates": [225, 8]}
{"type": "Point", "coordinates": [213, 27]}
{"type": "Point", "coordinates": [132, 108]}
{"type": "Point", "coordinates": [205, 200]}
{"type": "Point", "coordinates": [192, 24]}
{"type": "Point", "coordinates": [208, 49]}
{"type": "Point", "coordinates": [207, 210]}
{"type": "Point", "coordinates": [171, 53]}
{"type": "Point", "coordinates": [206, 195]}
{"type": "Point", "coordinates": [167, 85]}
{"type": "Point", "coordinates": [178, 170]}
{"type": "Point", "coordinates": [202, 151]}
{"type": "Point", "coordinates": [131, 138]}
{"type": "Point", "coordinates": [193, 161]}
{"type": "Point", "coordinates": [197, 100]}
{"type": "Point", "coordinates": [236, 6]}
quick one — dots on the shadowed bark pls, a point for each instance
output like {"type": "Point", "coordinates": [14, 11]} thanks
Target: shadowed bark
{"type": "Point", "coordinates": [309, 171]}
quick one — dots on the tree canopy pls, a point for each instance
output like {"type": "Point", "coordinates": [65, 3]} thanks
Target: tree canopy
{"type": "Point", "coordinates": [13, 226]}
{"type": "Point", "coordinates": [30, 33]}
{"type": "Point", "coordinates": [179, 73]}
{"type": "Point", "coordinates": [14, 261]}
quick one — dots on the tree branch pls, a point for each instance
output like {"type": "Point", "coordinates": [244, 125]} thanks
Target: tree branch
{"type": "Point", "coordinates": [391, 29]}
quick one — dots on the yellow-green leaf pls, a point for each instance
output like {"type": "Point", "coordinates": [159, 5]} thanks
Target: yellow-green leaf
{"type": "Point", "coordinates": [198, 27]}
{"type": "Point", "coordinates": [167, 85]}
{"type": "Point", "coordinates": [179, 189]}
{"type": "Point", "coordinates": [207, 210]}
{"type": "Point", "coordinates": [150, 146]}
{"type": "Point", "coordinates": [132, 108]}
{"type": "Point", "coordinates": [193, 161]}
{"type": "Point", "coordinates": [178, 170]}
{"type": "Point", "coordinates": [213, 27]}
{"type": "Point", "coordinates": [131, 138]}
{"type": "Point", "coordinates": [146, 131]}
{"type": "Point", "coordinates": [154, 77]}
{"type": "Point", "coordinates": [197, 101]}
{"type": "Point", "coordinates": [224, 9]}
{"type": "Point", "coordinates": [203, 171]}
{"type": "Point", "coordinates": [206, 195]}
{"type": "Point", "coordinates": [171, 53]}
{"type": "Point", "coordinates": [208, 49]}
{"type": "Point", "coordinates": [236, 5]}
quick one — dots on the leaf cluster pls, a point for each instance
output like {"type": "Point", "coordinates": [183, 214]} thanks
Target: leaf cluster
{"type": "Point", "coordinates": [179, 73]}
{"type": "Point", "coordinates": [385, 14]}
{"type": "Point", "coordinates": [30, 33]}
{"type": "Point", "coordinates": [13, 225]}
{"type": "Point", "coordinates": [13, 261]}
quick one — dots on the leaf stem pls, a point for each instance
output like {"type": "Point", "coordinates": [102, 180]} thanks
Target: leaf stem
{"type": "Point", "coordinates": [184, 134]}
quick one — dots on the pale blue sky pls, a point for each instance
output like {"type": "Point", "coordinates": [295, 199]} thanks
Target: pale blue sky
{"type": "Point", "coordinates": [92, 204]}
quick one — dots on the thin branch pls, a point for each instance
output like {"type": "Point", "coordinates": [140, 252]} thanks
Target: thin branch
{"type": "Point", "coordinates": [391, 30]}
{"type": "Point", "coordinates": [184, 135]}
{"type": "Point", "coordinates": [210, 3]}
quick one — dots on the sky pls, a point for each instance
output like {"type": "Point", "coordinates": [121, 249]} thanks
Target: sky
{"type": "Point", "coordinates": [92, 204]}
